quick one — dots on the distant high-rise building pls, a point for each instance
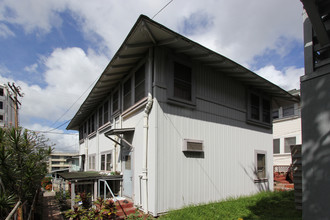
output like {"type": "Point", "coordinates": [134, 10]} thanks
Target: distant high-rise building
{"type": "Point", "coordinates": [7, 108]}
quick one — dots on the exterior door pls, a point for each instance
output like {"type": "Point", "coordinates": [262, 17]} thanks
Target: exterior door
{"type": "Point", "coordinates": [127, 174]}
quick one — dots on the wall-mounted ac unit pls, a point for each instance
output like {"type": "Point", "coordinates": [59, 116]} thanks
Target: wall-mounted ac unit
{"type": "Point", "coordinates": [192, 145]}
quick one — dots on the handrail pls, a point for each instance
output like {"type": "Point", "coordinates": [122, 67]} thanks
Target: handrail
{"type": "Point", "coordinates": [35, 198]}
{"type": "Point", "coordinates": [13, 210]}
{"type": "Point", "coordinates": [114, 198]}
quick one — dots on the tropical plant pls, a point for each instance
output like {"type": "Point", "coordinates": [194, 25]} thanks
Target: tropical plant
{"type": "Point", "coordinates": [22, 163]}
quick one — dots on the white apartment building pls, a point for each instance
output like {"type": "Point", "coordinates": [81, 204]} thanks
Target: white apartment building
{"type": "Point", "coordinates": [7, 108]}
{"type": "Point", "coordinates": [286, 131]}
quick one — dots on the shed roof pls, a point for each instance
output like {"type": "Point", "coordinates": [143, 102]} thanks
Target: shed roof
{"type": "Point", "coordinates": [87, 175]}
{"type": "Point", "coordinates": [147, 33]}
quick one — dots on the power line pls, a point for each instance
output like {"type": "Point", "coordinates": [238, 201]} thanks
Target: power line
{"type": "Point", "coordinates": [73, 104]}
{"type": "Point", "coordinates": [162, 9]}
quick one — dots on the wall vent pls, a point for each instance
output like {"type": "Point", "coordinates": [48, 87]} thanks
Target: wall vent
{"type": "Point", "coordinates": [192, 145]}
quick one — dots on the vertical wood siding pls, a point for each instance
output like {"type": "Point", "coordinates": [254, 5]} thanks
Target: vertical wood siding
{"type": "Point", "coordinates": [219, 119]}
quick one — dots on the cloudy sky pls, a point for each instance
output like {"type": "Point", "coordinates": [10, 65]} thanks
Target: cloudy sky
{"type": "Point", "coordinates": [56, 50]}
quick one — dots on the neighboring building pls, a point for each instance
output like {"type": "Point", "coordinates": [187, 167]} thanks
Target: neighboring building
{"type": "Point", "coordinates": [59, 161]}
{"type": "Point", "coordinates": [315, 113]}
{"type": "Point", "coordinates": [181, 123]}
{"type": "Point", "coordinates": [7, 108]}
{"type": "Point", "coordinates": [286, 131]}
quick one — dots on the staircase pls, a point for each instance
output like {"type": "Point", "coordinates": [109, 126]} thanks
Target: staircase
{"type": "Point", "coordinates": [126, 207]}
{"type": "Point", "coordinates": [281, 183]}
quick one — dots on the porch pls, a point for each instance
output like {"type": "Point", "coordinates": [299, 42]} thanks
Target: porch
{"type": "Point", "coordinates": [97, 184]}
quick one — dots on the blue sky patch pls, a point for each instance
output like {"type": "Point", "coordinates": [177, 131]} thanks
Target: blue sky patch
{"type": "Point", "coordinates": [196, 22]}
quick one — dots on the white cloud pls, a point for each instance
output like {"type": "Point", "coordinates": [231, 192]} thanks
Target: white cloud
{"type": "Point", "coordinates": [69, 72]}
{"type": "Point", "coordinates": [32, 68]}
{"type": "Point", "coordinates": [5, 31]}
{"type": "Point", "coordinates": [237, 29]}
{"type": "Point", "coordinates": [287, 79]}
{"type": "Point", "coordinates": [57, 138]}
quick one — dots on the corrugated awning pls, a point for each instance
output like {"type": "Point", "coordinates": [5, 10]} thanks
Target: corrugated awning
{"type": "Point", "coordinates": [118, 131]}
{"type": "Point", "coordinates": [88, 176]}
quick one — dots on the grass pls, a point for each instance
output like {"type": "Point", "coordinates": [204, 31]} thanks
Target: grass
{"type": "Point", "coordinates": [264, 205]}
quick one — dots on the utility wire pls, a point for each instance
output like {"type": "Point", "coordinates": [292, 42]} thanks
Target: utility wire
{"type": "Point", "coordinates": [162, 9]}
{"type": "Point", "coordinates": [72, 105]}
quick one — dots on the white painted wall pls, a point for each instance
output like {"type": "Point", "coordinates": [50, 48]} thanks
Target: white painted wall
{"type": "Point", "coordinates": [284, 128]}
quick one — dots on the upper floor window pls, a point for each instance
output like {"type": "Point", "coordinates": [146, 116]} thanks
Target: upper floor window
{"type": "Point", "coordinates": [139, 87]}
{"type": "Point", "coordinates": [1, 117]}
{"type": "Point", "coordinates": [182, 82]}
{"type": "Point", "coordinates": [115, 101]}
{"type": "Point", "coordinates": [288, 142]}
{"type": "Point", "coordinates": [275, 114]}
{"type": "Point", "coordinates": [288, 111]}
{"type": "Point", "coordinates": [106, 112]}
{"type": "Point", "coordinates": [259, 108]}
{"type": "Point", "coordinates": [91, 127]}
{"type": "Point", "coordinates": [101, 116]}
{"type": "Point", "coordinates": [1, 91]}
{"type": "Point", "coordinates": [81, 134]}
{"type": "Point", "coordinates": [1, 105]}
{"type": "Point", "coordinates": [127, 97]}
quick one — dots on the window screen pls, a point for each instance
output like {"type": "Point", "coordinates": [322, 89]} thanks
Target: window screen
{"type": "Point", "coordinates": [127, 94]}
{"type": "Point", "coordinates": [287, 143]}
{"type": "Point", "coordinates": [276, 146]}
{"type": "Point", "coordinates": [261, 166]}
{"type": "Point", "coordinates": [139, 84]}
{"type": "Point", "coordinates": [182, 82]}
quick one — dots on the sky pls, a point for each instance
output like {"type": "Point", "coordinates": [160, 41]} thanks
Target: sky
{"type": "Point", "coordinates": [56, 50]}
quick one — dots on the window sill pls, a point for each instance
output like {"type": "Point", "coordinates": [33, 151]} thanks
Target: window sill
{"type": "Point", "coordinates": [91, 135]}
{"type": "Point", "coordinates": [265, 180]}
{"type": "Point", "coordinates": [135, 107]}
{"type": "Point", "coordinates": [259, 123]}
{"type": "Point", "coordinates": [105, 126]}
{"type": "Point", "coordinates": [181, 102]}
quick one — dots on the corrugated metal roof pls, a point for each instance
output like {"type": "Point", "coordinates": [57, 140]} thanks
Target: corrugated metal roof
{"type": "Point", "coordinates": [147, 33]}
{"type": "Point", "coordinates": [88, 175]}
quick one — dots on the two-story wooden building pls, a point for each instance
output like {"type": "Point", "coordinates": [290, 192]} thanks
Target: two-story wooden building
{"type": "Point", "coordinates": [181, 123]}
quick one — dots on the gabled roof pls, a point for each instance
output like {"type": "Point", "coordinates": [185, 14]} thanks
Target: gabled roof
{"type": "Point", "coordinates": [147, 33]}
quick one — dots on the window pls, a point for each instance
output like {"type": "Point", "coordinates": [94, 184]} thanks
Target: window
{"type": "Point", "coordinates": [115, 101]}
{"type": "Point", "coordinates": [127, 94]}
{"type": "Point", "coordinates": [139, 84]}
{"type": "Point", "coordinates": [288, 111]}
{"type": "Point", "coordinates": [128, 162]}
{"type": "Point", "coordinates": [275, 114]}
{"type": "Point", "coordinates": [1, 117]}
{"type": "Point", "coordinates": [101, 116]}
{"type": "Point", "coordinates": [276, 146]}
{"type": "Point", "coordinates": [106, 112]}
{"type": "Point", "coordinates": [103, 162]}
{"type": "Point", "coordinates": [56, 157]}
{"type": "Point", "coordinates": [81, 135]}
{"type": "Point", "coordinates": [56, 162]}
{"type": "Point", "coordinates": [260, 164]}
{"type": "Point", "coordinates": [85, 127]}
{"type": "Point", "coordinates": [182, 82]}
{"type": "Point", "coordinates": [106, 162]}
{"type": "Point", "coordinates": [91, 162]}
{"type": "Point", "coordinates": [1, 91]}
{"type": "Point", "coordinates": [259, 108]}
{"type": "Point", "coordinates": [1, 105]}
{"type": "Point", "coordinates": [288, 142]}
{"type": "Point", "coordinates": [91, 127]}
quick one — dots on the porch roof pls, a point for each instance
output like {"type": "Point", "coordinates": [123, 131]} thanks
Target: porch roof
{"type": "Point", "coordinates": [145, 34]}
{"type": "Point", "coordinates": [89, 175]}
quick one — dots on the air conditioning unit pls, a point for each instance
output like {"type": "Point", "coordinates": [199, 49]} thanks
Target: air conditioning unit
{"type": "Point", "coordinates": [192, 145]}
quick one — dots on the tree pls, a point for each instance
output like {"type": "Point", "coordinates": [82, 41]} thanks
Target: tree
{"type": "Point", "coordinates": [23, 155]}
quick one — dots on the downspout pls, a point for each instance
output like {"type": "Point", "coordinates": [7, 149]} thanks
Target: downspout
{"type": "Point", "coordinates": [145, 149]}
{"type": "Point", "coordinates": [145, 130]}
